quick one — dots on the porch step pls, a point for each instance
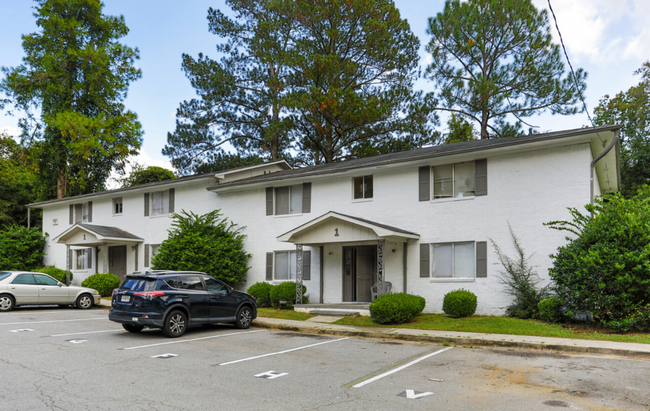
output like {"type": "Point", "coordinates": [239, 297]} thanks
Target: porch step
{"type": "Point", "coordinates": [333, 313]}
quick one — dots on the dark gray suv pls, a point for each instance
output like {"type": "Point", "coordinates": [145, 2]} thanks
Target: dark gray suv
{"type": "Point", "coordinates": [176, 300]}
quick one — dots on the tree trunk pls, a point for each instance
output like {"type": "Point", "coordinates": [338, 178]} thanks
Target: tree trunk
{"type": "Point", "coordinates": [61, 184]}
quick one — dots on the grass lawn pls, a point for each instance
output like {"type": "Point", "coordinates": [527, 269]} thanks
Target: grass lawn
{"type": "Point", "coordinates": [283, 314]}
{"type": "Point", "coordinates": [505, 325]}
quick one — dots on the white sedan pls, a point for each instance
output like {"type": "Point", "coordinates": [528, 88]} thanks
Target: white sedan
{"type": "Point", "coordinates": [27, 288]}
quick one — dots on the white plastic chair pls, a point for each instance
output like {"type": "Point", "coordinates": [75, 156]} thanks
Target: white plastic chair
{"type": "Point", "coordinates": [385, 289]}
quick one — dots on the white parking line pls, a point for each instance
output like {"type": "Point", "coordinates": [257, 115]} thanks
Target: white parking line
{"type": "Point", "coordinates": [393, 371]}
{"type": "Point", "coordinates": [193, 339]}
{"type": "Point", "coordinates": [87, 332]}
{"type": "Point", "coordinates": [56, 321]}
{"type": "Point", "coordinates": [282, 352]}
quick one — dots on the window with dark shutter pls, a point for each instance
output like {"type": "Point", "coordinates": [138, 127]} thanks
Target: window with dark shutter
{"type": "Point", "coordinates": [78, 212]}
{"type": "Point", "coordinates": [89, 253]}
{"type": "Point", "coordinates": [306, 265]}
{"type": "Point", "coordinates": [172, 199]}
{"type": "Point", "coordinates": [90, 213]}
{"type": "Point", "coordinates": [269, 200]}
{"type": "Point", "coordinates": [146, 210]}
{"type": "Point", "coordinates": [71, 214]}
{"type": "Point", "coordinates": [480, 176]}
{"type": "Point", "coordinates": [481, 259]}
{"type": "Point", "coordinates": [424, 260]}
{"type": "Point", "coordinates": [306, 198]}
{"type": "Point", "coordinates": [146, 255]}
{"type": "Point", "coordinates": [269, 266]}
{"type": "Point", "coordinates": [137, 246]}
{"type": "Point", "coordinates": [424, 179]}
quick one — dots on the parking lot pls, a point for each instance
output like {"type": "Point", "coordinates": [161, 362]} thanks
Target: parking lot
{"type": "Point", "coordinates": [67, 359]}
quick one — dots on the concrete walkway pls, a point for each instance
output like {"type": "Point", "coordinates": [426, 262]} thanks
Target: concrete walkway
{"type": "Point", "coordinates": [322, 325]}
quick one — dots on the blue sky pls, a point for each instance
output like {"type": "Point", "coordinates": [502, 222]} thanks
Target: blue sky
{"type": "Point", "coordinates": [608, 38]}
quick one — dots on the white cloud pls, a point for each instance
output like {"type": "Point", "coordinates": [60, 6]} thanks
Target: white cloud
{"type": "Point", "coordinates": [142, 159]}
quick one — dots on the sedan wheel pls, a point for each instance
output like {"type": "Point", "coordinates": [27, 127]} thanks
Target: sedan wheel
{"type": "Point", "coordinates": [84, 301]}
{"type": "Point", "coordinates": [244, 318]}
{"type": "Point", "coordinates": [6, 303]}
{"type": "Point", "coordinates": [175, 324]}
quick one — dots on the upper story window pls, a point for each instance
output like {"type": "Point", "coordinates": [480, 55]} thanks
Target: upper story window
{"type": "Point", "coordinates": [453, 180]}
{"type": "Point", "coordinates": [159, 202]}
{"type": "Point", "coordinates": [362, 187]}
{"type": "Point", "coordinates": [295, 199]}
{"type": "Point", "coordinates": [81, 213]}
{"type": "Point", "coordinates": [117, 205]}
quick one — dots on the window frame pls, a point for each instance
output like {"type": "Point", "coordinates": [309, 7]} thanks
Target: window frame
{"type": "Point", "coordinates": [453, 276]}
{"type": "Point", "coordinates": [453, 182]}
{"type": "Point", "coordinates": [290, 198]}
{"type": "Point", "coordinates": [83, 253]}
{"type": "Point", "coordinates": [164, 200]}
{"type": "Point", "coordinates": [364, 189]}
{"type": "Point", "coordinates": [121, 205]}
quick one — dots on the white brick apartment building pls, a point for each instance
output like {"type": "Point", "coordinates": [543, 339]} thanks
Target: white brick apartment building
{"type": "Point", "coordinates": [423, 218]}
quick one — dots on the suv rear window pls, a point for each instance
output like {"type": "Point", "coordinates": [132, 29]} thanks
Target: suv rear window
{"type": "Point", "coordinates": [138, 284]}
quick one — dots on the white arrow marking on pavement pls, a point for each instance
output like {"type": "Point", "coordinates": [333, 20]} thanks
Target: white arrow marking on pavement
{"type": "Point", "coordinates": [270, 375]}
{"type": "Point", "coordinates": [77, 341]}
{"type": "Point", "coordinates": [168, 355]}
{"type": "Point", "coordinates": [20, 330]}
{"type": "Point", "coordinates": [410, 394]}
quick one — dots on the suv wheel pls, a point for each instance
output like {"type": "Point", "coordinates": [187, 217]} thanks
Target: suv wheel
{"type": "Point", "coordinates": [244, 318]}
{"type": "Point", "coordinates": [175, 324]}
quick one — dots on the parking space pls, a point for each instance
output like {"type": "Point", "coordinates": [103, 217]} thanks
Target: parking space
{"type": "Point", "coordinates": [73, 359]}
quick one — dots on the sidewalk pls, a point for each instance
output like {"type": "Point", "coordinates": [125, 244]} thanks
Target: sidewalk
{"type": "Point", "coordinates": [321, 325]}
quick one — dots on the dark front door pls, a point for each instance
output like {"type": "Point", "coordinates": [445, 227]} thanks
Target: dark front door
{"type": "Point", "coordinates": [359, 267]}
{"type": "Point", "coordinates": [117, 261]}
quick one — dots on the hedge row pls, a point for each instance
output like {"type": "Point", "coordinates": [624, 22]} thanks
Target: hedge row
{"type": "Point", "coordinates": [283, 294]}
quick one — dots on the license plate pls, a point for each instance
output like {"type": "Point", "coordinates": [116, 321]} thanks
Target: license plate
{"type": "Point", "coordinates": [125, 298]}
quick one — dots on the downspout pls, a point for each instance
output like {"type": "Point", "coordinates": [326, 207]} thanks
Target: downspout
{"type": "Point", "coordinates": [593, 165]}
{"type": "Point", "coordinates": [29, 212]}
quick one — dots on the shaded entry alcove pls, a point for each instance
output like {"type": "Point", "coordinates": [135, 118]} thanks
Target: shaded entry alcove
{"type": "Point", "coordinates": [359, 272]}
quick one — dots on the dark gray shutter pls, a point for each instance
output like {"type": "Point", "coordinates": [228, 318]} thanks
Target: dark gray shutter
{"type": "Point", "coordinates": [269, 266]}
{"type": "Point", "coordinates": [172, 199]}
{"type": "Point", "coordinates": [269, 200]}
{"type": "Point", "coordinates": [146, 255]}
{"type": "Point", "coordinates": [481, 259]}
{"type": "Point", "coordinates": [424, 260]}
{"type": "Point", "coordinates": [146, 209]}
{"type": "Point", "coordinates": [90, 213]}
{"type": "Point", "coordinates": [306, 197]}
{"type": "Point", "coordinates": [137, 246]}
{"type": "Point", "coordinates": [480, 176]}
{"type": "Point", "coordinates": [306, 265]}
{"type": "Point", "coordinates": [424, 177]}
{"type": "Point", "coordinates": [71, 214]}
{"type": "Point", "coordinates": [73, 263]}
{"type": "Point", "coordinates": [78, 210]}
{"type": "Point", "coordinates": [90, 257]}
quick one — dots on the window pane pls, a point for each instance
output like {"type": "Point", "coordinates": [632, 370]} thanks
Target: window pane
{"type": "Point", "coordinates": [215, 286]}
{"type": "Point", "coordinates": [282, 200]}
{"type": "Point", "coordinates": [367, 187]}
{"type": "Point", "coordinates": [45, 280]}
{"type": "Point", "coordinates": [24, 279]}
{"type": "Point", "coordinates": [464, 260]}
{"type": "Point", "coordinates": [358, 187]}
{"type": "Point", "coordinates": [281, 266]}
{"type": "Point", "coordinates": [442, 182]}
{"type": "Point", "coordinates": [84, 213]}
{"type": "Point", "coordinates": [117, 209]}
{"type": "Point", "coordinates": [157, 203]}
{"type": "Point", "coordinates": [464, 180]}
{"type": "Point", "coordinates": [441, 261]}
{"type": "Point", "coordinates": [192, 283]}
{"type": "Point", "coordinates": [81, 259]}
{"type": "Point", "coordinates": [292, 265]}
{"type": "Point", "coordinates": [165, 202]}
{"type": "Point", "coordinates": [296, 199]}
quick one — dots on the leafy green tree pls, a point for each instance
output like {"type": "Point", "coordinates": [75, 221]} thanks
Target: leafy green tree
{"type": "Point", "coordinates": [207, 243]}
{"type": "Point", "coordinates": [17, 182]}
{"type": "Point", "coordinates": [604, 269]}
{"type": "Point", "coordinates": [21, 248]}
{"type": "Point", "coordinates": [143, 175]}
{"type": "Point", "coordinates": [459, 130]}
{"type": "Point", "coordinates": [242, 97]}
{"type": "Point", "coordinates": [71, 86]}
{"type": "Point", "coordinates": [494, 60]}
{"type": "Point", "coordinates": [353, 64]}
{"type": "Point", "coordinates": [631, 109]}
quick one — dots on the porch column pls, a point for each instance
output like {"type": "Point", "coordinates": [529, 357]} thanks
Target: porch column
{"type": "Point", "coordinates": [105, 254]}
{"type": "Point", "coordinates": [298, 274]}
{"type": "Point", "coordinates": [67, 264]}
{"type": "Point", "coordinates": [380, 267]}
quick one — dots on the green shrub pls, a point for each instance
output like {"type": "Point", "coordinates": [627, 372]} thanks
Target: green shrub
{"type": "Point", "coordinates": [103, 283]}
{"type": "Point", "coordinates": [21, 248]}
{"type": "Point", "coordinates": [261, 291]}
{"type": "Point", "coordinates": [550, 309]}
{"type": "Point", "coordinates": [52, 271]}
{"type": "Point", "coordinates": [603, 270]}
{"type": "Point", "coordinates": [208, 243]}
{"type": "Point", "coordinates": [396, 308]}
{"type": "Point", "coordinates": [286, 292]}
{"type": "Point", "coordinates": [459, 303]}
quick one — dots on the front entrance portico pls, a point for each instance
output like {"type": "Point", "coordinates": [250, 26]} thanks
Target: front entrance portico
{"type": "Point", "coordinates": [354, 255]}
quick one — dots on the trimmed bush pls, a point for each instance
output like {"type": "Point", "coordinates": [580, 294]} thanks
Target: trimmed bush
{"type": "Point", "coordinates": [103, 283]}
{"type": "Point", "coordinates": [550, 309]}
{"type": "Point", "coordinates": [21, 248]}
{"type": "Point", "coordinates": [459, 303]}
{"type": "Point", "coordinates": [286, 292]}
{"type": "Point", "coordinates": [52, 271]}
{"type": "Point", "coordinates": [261, 291]}
{"type": "Point", "coordinates": [396, 308]}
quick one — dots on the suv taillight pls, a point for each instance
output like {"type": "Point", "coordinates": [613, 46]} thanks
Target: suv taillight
{"type": "Point", "coordinates": [149, 294]}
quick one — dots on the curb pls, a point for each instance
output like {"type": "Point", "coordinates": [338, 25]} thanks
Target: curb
{"type": "Point", "coordinates": [467, 342]}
